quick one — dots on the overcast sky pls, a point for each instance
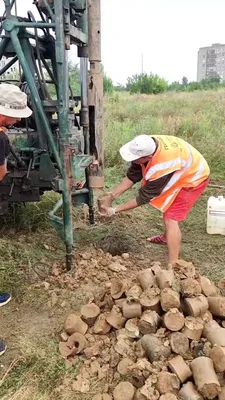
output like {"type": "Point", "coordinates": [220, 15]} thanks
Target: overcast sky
{"type": "Point", "coordinates": [167, 32]}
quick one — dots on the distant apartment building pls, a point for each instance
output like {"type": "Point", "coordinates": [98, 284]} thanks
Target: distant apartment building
{"type": "Point", "coordinates": [211, 62]}
{"type": "Point", "coordinates": [12, 72]}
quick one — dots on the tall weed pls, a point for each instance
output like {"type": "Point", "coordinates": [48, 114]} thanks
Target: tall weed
{"type": "Point", "coordinates": [197, 117]}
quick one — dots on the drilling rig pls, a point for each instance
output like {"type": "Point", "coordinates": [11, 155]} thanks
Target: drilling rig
{"type": "Point", "coordinates": [60, 147]}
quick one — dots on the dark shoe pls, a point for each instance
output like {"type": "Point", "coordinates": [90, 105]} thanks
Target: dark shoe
{"type": "Point", "coordinates": [3, 348]}
{"type": "Point", "coordinates": [5, 298]}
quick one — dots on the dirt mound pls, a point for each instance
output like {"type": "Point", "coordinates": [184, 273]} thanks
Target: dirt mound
{"type": "Point", "coordinates": [117, 244]}
{"type": "Point", "coordinates": [101, 267]}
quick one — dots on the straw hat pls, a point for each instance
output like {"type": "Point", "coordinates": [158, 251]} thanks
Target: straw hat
{"type": "Point", "coordinates": [13, 102]}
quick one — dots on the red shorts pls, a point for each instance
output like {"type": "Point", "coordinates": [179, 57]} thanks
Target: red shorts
{"type": "Point", "coordinates": [184, 201]}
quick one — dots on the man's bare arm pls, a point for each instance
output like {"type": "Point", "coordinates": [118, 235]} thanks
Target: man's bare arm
{"type": "Point", "coordinates": [130, 205]}
{"type": "Point", "coordinates": [125, 185]}
{"type": "Point", "coordinates": [145, 194]}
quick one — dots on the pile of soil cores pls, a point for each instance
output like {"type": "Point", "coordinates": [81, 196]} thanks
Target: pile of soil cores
{"type": "Point", "coordinates": [157, 335]}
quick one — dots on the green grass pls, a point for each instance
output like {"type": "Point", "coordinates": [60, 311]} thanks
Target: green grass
{"type": "Point", "coordinates": [196, 117]}
{"type": "Point", "coordinates": [29, 243]}
{"type": "Point", "coordinates": [37, 373]}
{"type": "Point", "coordinates": [24, 233]}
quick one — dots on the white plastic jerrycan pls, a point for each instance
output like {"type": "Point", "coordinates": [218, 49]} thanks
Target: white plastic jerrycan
{"type": "Point", "coordinates": [216, 215]}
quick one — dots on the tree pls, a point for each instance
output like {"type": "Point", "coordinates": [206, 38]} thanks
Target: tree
{"type": "Point", "coordinates": [74, 76]}
{"type": "Point", "coordinates": [184, 81]}
{"type": "Point", "coordinates": [192, 86]}
{"type": "Point", "coordinates": [175, 86]}
{"type": "Point", "coordinates": [107, 82]}
{"type": "Point", "coordinates": [146, 84]}
{"type": "Point", "coordinates": [74, 79]}
{"type": "Point", "coordinates": [120, 87]}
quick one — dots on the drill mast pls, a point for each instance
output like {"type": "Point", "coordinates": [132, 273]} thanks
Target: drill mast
{"type": "Point", "coordinates": [62, 147]}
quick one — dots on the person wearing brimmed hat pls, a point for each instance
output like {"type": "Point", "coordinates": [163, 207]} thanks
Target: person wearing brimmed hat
{"type": "Point", "coordinates": [13, 107]}
{"type": "Point", "coordinates": [173, 174]}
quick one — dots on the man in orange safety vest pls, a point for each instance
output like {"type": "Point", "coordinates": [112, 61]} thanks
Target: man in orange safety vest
{"type": "Point", "coordinates": [173, 174]}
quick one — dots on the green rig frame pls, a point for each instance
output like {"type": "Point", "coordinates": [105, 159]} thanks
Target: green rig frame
{"type": "Point", "coordinates": [56, 148]}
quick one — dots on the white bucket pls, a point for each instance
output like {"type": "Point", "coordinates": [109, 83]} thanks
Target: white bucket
{"type": "Point", "coordinates": [216, 215]}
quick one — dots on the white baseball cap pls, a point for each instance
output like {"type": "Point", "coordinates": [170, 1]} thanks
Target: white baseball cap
{"type": "Point", "coordinates": [140, 146]}
{"type": "Point", "coordinates": [13, 102]}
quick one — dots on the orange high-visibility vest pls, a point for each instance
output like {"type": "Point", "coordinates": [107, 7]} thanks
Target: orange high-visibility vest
{"type": "Point", "coordinates": [174, 155]}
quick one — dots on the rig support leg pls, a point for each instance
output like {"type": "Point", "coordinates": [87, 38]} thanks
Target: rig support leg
{"type": "Point", "coordinates": [95, 95]}
{"type": "Point", "coordinates": [84, 112]}
{"type": "Point", "coordinates": [69, 257]}
{"type": "Point", "coordinates": [63, 100]}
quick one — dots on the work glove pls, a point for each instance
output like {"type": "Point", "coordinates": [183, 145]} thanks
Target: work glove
{"type": "Point", "coordinates": [108, 212]}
